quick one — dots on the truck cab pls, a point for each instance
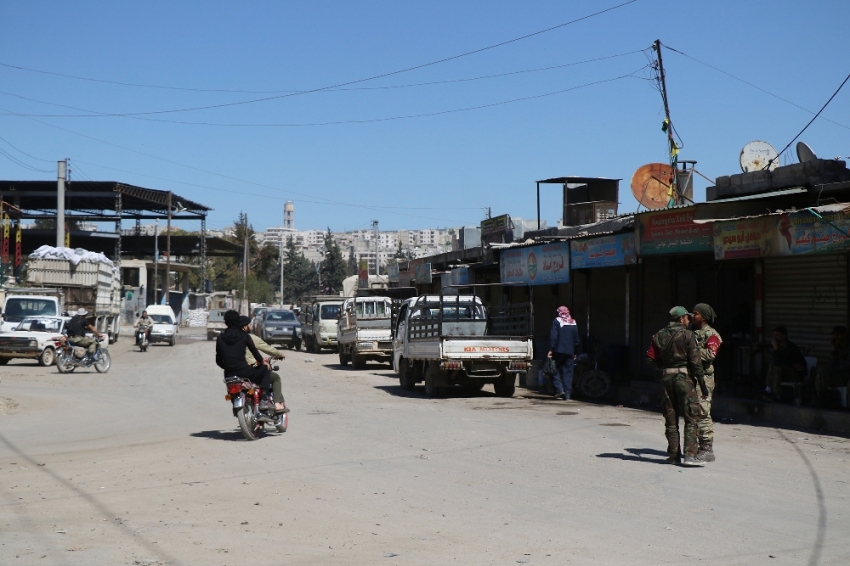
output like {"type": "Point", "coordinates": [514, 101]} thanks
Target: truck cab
{"type": "Point", "coordinates": [365, 330]}
{"type": "Point", "coordinates": [320, 322]}
{"type": "Point", "coordinates": [20, 306]}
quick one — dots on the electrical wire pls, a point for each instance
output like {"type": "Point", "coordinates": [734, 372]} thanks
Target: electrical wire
{"type": "Point", "coordinates": [312, 124]}
{"type": "Point", "coordinates": [758, 88]}
{"type": "Point", "coordinates": [20, 163]}
{"type": "Point", "coordinates": [388, 74]}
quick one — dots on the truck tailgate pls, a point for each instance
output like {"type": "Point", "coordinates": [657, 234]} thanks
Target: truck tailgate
{"type": "Point", "coordinates": [496, 348]}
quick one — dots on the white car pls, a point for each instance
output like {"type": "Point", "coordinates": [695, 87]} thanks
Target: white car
{"type": "Point", "coordinates": [33, 338]}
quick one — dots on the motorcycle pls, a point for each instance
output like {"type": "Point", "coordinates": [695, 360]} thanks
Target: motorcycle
{"type": "Point", "coordinates": [245, 397]}
{"type": "Point", "coordinates": [70, 357]}
{"type": "Point", "coordinates": [142, 339]}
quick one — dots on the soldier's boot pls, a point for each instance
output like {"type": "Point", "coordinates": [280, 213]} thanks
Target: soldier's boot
{"type": "Point", "coordinates": [692, 461]}
{"type": "Point", "coordinates": [706, 451]}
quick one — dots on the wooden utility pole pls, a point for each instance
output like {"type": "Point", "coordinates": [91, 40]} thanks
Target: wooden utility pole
{"type": "Point", "coordinates": [673, 149]}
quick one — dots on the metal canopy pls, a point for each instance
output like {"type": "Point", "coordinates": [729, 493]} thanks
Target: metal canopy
{"type": "Point", "coordinates": [576, 180]}
{"type": "Point", "coordinates": [90, 199]}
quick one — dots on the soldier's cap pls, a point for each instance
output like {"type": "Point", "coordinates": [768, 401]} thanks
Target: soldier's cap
{"type": "Point", "coordinates": [706, 311]}
{"type": "Point", "coordinates": [677, 312]}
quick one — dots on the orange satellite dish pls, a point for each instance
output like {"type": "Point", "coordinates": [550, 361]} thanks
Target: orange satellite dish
{"type": "Point", "coordinates": [651, 183]}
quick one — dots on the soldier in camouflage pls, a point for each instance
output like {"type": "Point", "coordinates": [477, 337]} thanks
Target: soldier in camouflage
{"type": "Point", "coordinates": [709, 342]}
{"type": "Point", "coordinates": [674, 349]}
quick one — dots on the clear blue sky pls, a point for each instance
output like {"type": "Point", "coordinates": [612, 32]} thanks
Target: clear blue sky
{"type": "Point", "coordinates": [432, 171]}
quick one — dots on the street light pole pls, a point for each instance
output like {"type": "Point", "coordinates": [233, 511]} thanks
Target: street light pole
{"type": "Point", "coordinates": [165, 296]}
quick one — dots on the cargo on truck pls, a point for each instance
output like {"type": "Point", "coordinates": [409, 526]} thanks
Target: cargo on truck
{"type": "Point", "coordinates": [454, 339]}
{"type": "Point", "coordinates": [61, 281]}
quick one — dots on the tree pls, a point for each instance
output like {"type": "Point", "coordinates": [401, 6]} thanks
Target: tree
{"type": "Point", "coordinates": [399, 253]}
{"type": "Point", "coordinates": [299, 274]}
{"type": "Point", "coordinates": [333, 268]}
{"type": "Point", "coordinates": [352, 267]}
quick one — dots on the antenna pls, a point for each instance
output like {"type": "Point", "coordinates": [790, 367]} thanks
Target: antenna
{"type": "Point", "coordinates": [651, 185]}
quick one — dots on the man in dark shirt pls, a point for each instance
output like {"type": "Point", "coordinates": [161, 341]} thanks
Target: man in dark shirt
{"type": "Point", "coordinates": [230, 353]}
{"type": "Point", "coordinates": [786, 363]}
{"type": "Point", "coordinates": [77, 327]}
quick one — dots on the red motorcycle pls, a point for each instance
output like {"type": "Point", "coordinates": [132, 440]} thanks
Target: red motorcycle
{"type": "Point", "coordinates": [245, 397]}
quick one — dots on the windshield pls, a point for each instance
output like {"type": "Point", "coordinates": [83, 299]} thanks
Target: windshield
{"type": "Point", "coordinates": [330, 311]}
{"type": "Point", "coordinates": [18, 309]}
{"type": "Point", "coordinates": [161, 319]}
{"type": "Point", "coordinates": [280, 316]}
{"type": "Point", "coordinates": [450, 312]}
{"type": "Point", "coordinates": [216, 316]}
{"type": "Point", "coordinates": [377, 309]}
{"type": "Point", "coordinates": [40, 325]}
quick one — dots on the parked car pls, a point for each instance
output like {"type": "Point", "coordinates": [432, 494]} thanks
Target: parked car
{"type": "Point", "coordinates": [215, 323]}
{"type": "Point", "coordinates": [281, 326]}
{"type": "Point", "coordinates": [257, 320]}
{"type": "Point", "coordinates": [164, 324]}
{"type": "Point", "coordinates": [33, 338]}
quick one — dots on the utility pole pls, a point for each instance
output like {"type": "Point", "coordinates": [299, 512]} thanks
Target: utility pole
{"type": "Point", "coordinates": [60, 203]}
{"type": "Point", "coordinates": [155, 259]}
{"type": "Point", "coordinates": [281, 255]}
{"type": "Point", "coordinates": [245, 270]}
{"type": "Point", "coordinates": [375, 229]}
{"type": "Point", "coordinates": [165, 297]}
{"type": "Point", "coordinates": [673, 149]}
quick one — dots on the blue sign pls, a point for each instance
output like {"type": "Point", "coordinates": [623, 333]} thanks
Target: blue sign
{"type": "Point", "coordinates": [606, 251]}
{"type": "Point", "coordinates": [545, 264]}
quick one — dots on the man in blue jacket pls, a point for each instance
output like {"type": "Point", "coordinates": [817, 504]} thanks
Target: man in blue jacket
{"type": "Point", "coordinates": [563, 344]}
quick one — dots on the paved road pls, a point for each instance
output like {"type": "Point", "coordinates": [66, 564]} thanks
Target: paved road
{"type": "Point", "coordinates": [145, 465]}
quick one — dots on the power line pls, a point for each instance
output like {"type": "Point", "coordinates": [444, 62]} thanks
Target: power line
{"type": "Point", "coordinates": [758, 88]}
{"type": "Point", "coordinates": [388, 74]}
{"type": "Point", "coordinates": [312, 124]}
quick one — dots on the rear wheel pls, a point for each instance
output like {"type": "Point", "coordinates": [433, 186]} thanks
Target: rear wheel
{"type": "Point", "coordinates": [405, 379]}
{"type": "Point", "coordinates": [173, 340]}
{"type": "Point", "coordinates": [47, 357]}
{"type": "Point", "coordinates": [247, 423]}
{"type": "Point", "coordinates": [506, 386]}
{"type": "Point", "coordinates": [595, 384]}
{"type": "Point", "coordinates": [343, 358]}
{"type": "Point", "coordinates": [102, 364]}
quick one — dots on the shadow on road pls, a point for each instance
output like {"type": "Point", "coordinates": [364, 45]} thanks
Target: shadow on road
{"type": "Point", "coordinates": [637, 455]}
{"type": "Point", "coordinates": [448, 392]}
{"type": "Point", "coordinates": [229, 435]}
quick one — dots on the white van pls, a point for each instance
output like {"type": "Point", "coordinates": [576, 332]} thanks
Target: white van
{"type": "Point", "coordinates": [164, 324]}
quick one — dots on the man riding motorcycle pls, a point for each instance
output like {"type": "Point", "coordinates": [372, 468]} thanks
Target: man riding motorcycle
{"type": "Point", "coordinates": [144, 323]}
{"type": "Point", "coordinates": [274, 353]}
{"type": "Point", "coordinates": [77, 327]}
{"type": "Point", "coordinates": [230, 354]}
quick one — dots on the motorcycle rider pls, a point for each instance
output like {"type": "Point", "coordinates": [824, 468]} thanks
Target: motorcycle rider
{"type": "Point", "coordinates": [262, 346]}
{"type": "Point", "coordinates": [77, 327]}
{"type": "Point", "coordinates": [144, 323]}
{"type": "Point", "coordinates": [230, 354]}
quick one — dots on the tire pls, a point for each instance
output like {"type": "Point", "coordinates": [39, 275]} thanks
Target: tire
{"type": "Point", "coordinates": [506, 386]}
{"type": "Point", "coordinates": [247, 424]}
{"type": "Point", "coordinates": [47, 357]}
{"type": "Point", "coordinates": [102, 365]}
{"type": "Point", "coordinates": [284, 423]}
{"type": "Point", "coordinates": [63, 364]}
{"type": "Point", "coordinates": [432, 390]}
{"type": "Point", "coordinates": [358, 362]}
{"type": "Point", "coordinates": [343, 359]}
{"type": "Point", "coordinates": [297, 345]}
{"type": "Point", "coordinates": [595, 384]}
{"type": "Point", "coordinates": [173, 340]}
{"type": "Point", "coordinates": [405, 379]}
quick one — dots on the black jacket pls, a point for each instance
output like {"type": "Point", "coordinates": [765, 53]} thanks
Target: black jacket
{"type": "Point", "coordinates": [230, 350]}
{"type": "Point", "coordinates": [563, 339]}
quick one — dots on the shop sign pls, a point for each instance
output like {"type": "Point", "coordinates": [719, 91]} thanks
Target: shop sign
{"type": "Point", "coordinates": [495, 229]}
{"type": "Point", "coordinates": [363, 274]}
{"type": "Point", "coordinates": [796, 233]}
{"type": "Point", "coordinates": [422, 273]}
{"type": "Point", "coordinates": [606, 251]}
{"type": "Point", "coordinates": [546, 264]}
{"type": "Point", "coordinates": [672, 232]}
{"type": "Point", "coordinates": [405, 279]}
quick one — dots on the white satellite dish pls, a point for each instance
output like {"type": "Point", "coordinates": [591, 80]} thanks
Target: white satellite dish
{"type": "Point", "coordinates": [756, 155]}
{"type": "Point", "coordinates": [805, 153]}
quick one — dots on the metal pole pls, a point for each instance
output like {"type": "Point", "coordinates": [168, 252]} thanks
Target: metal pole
{"type": "Point", "coordinates": [538, 206]}
{"type": "Point", "coordinates": [60, 203]}
{"type": "Point", "coordinates": [281, 269]}
{"type": "Point", "coordinates": [245, 272]}
{"type": "Point", "coordinates": [155, 259]}
{"type": "Point", "coordinates": [671, 143]}
{"type": "Point", "coordinates": [375, 228]}
{"type": "Point", "coordinates": [165, 296]}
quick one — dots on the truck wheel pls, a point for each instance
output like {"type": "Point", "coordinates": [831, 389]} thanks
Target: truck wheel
{"type": "Point", "coordinates": [358, 361]}
{"type": "Point", "coordinates": [432, 390]}
{"type": "Point", "coordinates": [506, 386]}
{"type": "Point", "coordinates": [343, 358]}
{"type": "Point", "coordinates": [47, 357]}
{"type": "Point", "coordinates": [405, 379]}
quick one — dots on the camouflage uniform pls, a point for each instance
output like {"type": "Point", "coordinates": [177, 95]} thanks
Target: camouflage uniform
{"type": "Point", "coordinates": [674, 349]}
{"type": "Point", "coordinates": [265, 348]}
{"type": "Point", "coordinates": [709, 342]}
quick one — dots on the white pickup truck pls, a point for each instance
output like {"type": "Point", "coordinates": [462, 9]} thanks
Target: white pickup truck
{"type": "Point", "coordinates": [452, 339]}
{"type": "Point", "coordinates": [34, 338]}
{"type": "Point", "coordinates": [365, 331]}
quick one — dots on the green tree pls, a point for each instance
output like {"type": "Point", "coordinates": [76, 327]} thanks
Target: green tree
{"type": "Point", "coordinates": [352, 266]}
{"type": "Point", "coordinates": [299, 274]}
{"type": "Point", "coordinates": [333, 268]}
{"type": "Point", "coordinates": [399, 253]}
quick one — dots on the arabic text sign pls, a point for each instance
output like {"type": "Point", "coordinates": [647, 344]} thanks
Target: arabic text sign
{"type": "Point", "coordinates": [670, 232]}
{"type": "Point", "coordinates": [606, 251]}
{"type": "Point", "coordinates": [546, 264]}
{"type": "Point", "coordinates": [753, 237]}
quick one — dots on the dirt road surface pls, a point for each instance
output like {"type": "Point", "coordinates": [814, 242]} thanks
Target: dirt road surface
{"type": "Point", "coordinates": [145, 465]}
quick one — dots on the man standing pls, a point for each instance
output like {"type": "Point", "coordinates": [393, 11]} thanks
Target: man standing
{"type": "Point", "coordinates": [563, 343]}
{"type": "Point", "coordinates": [674, 349]}
{"type": "Point", "coordinates": [77, 327]}
{"type": "Point", "coordinates": [786, 364]}
{"type": "Point", "coordinates": [709, 342]}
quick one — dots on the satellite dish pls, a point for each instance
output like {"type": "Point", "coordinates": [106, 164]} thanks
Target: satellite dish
{"type": "Point", "coordinates": [651, 183]}
{"type": "Point", "coordinates": [756, 155]}
{"type": "Point", "coordinates": [805, 153]}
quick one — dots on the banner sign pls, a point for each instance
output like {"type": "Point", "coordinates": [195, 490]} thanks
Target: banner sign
{"type": "Point", "coordinates": [606, 251]}
{"type": "Point", "coordinates": [672, 232]}
{"type": "Point", "coordinates": [422, 273]}
{"type": "Point", "coordinates": [790, 234]}
{"type": "Point", "coordinates": [363, 274]}
{"type": "Point", "coordinates": [546, 264]}
{"type": "Point", "coordinates": [460, 276]}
